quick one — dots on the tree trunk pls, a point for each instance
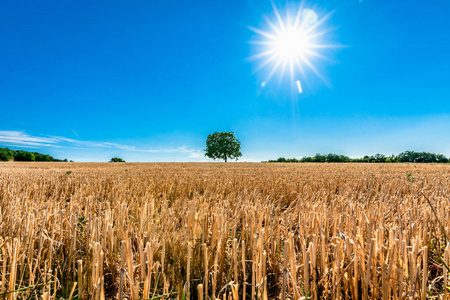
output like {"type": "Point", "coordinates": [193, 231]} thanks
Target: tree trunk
{"type": "Point", "coordinates": [225, 158]}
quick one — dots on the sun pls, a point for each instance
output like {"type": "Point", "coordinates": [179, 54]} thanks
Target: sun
{"type": "Point", "coordinates": [291, 43]}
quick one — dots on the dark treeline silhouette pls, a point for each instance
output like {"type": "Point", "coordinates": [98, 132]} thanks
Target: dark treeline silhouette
{"type": "Point", "coordinates": [21, 155]}
{"type": "Point", "coordinates": [407, 156]}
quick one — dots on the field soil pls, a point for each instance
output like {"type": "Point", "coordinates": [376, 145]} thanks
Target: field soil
{"type": "Point", "coordinates": [224, 231]}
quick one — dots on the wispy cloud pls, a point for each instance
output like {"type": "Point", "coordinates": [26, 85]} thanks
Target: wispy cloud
{"type": "Point", "coordinates": [19, 138]}
{"type": "Point", "coordinates": [22, 139]}
{"type": "Point", "coordinates": [196, 154]}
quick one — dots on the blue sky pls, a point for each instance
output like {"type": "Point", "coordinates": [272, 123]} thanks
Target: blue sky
{"type": "Point", "coordinates": [149, 80]}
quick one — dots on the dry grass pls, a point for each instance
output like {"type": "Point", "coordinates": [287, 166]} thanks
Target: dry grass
{"type": "Point", "coordinates": [234, 231]}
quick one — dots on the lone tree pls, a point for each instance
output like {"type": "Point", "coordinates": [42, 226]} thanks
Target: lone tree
{"type": "Point", "coordinates": [116, 159]}
{"type": "Point", "coordinates": [223, 145]}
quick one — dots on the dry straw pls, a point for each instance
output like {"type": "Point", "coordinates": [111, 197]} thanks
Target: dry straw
{"type": "Point", "coordinates": [216, 231]}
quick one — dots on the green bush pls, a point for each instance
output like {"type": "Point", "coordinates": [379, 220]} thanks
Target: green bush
{"type": "Point", "coordinates": [116, 159]}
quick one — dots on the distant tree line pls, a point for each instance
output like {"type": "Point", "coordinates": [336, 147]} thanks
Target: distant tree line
{"type": "Point", "coordinates": [21, 155]}
{"type": "Point", "coordinates": [407, 156]}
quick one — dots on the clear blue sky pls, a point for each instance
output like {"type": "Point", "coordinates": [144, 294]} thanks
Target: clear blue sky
{"type": "Point", "coordinates": [149, 80]}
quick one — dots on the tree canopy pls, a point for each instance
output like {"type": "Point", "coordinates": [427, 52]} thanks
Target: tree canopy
{"type": "Point", "coordinates": [223, 145]}
{"type": "Point", "coordinates": [116, 159]}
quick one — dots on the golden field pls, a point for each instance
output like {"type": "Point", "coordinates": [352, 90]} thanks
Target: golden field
{"type": "Point", "coordinates": [224, 231]}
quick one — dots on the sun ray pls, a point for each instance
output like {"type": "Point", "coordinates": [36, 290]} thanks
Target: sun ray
{"type": "Point", "coordinates": [276, 30]}
{"type": "Point", "coordinates": [311, 66]}
{"type": "Point", "coordinates": [300, 67]}
{"type": "Point", "coordinates": [297, 17]}
{"type": "Point", "coordinates": [274, 69]}
{"type": "Point", "coordinates": [283, 68]}
{"type": "Point", "coordinates": [263, 33]}
{"type": "Point", "coordinates": [322, 46]}
{"type": "Point", "coordinates": [277, 14]}
{"type": "Point", "coordinates": [265, 63]}
{"type": "Point", "coordinates": [262, 54]}
{"type": "Point", "coordinates": [291, 70]}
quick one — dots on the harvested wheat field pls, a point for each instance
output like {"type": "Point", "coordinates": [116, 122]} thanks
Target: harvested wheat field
{"type": "Point", "coordinates": [224, 231]}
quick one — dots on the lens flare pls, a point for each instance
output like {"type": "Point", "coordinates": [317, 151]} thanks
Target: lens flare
{"type": "Point", "coordinates": [289, 43]}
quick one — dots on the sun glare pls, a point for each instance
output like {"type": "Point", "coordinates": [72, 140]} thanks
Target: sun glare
{"type": "Point", "coordinates": [290, 43]}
